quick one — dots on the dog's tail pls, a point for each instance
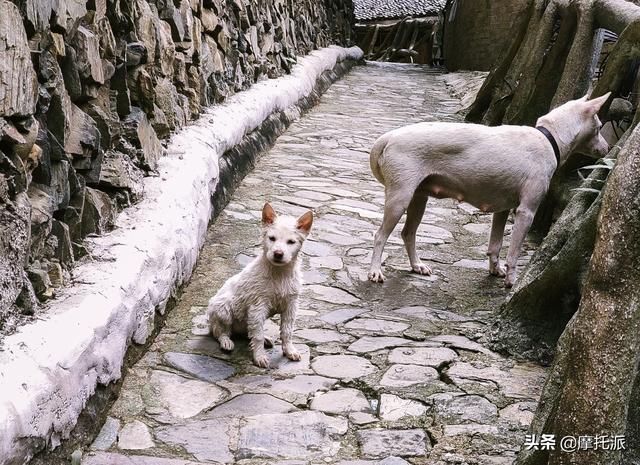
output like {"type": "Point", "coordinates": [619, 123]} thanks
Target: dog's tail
{"type": "Point", "coordinates": [374, 157]}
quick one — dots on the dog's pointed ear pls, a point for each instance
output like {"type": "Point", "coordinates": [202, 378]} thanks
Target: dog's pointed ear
{"type": "Point", "coordinates": [593, 106]}
{"type": "Point", "coordinates": [304, 222]}
{"type": "Point", "coordinates": [268, 215]}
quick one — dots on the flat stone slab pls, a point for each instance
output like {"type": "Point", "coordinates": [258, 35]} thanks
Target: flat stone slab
{"type": "Point", "coordinates": [376, 325]}
{"type": "Point", "coordinates": [182, 397]}
{"type": "Point", "coordinates": [300, 384]}
{"type": "Point", "coordinates": [427, 356]}
{"type": "Point", "coordinates": [314, 276]}
{"type": "Point", "coordinates": [378, 443]}
{"type": "Point", "coordinates": [341, 401]}
{"type": "Point", "coordinates": [520, 382]}
{"type": "Point", "coordinates": [108, 434]}
{"type": "Point", "coordinates": [478, 228]}
{"type": "Point", "coordinates": [387, 461]}
{"type": "Point", "coordinates": [372, 343]}
{"type": "Point", "coordinates": [342, 366]}
{"type": "Point", "coordinates": [331, 261]}
{"type": "Point", "coordinates": [520, 413]}
{"type": "Point", "coordinates": [302, 435]}
{"type": "Point", "coordinates": [320, 336]}
{"type": "Point", "coordinates": [317, 249]}
{"type": "Point", "coordinates": [200, 366]}
{"type": "Point", "coordinates": [246, 405]}
{"type": "Point", "coordinates": [331, 294]}
{"type": "Point", "coordinates": [472, 264]}
{"type": "Point", "coordinates": [434, 232]}
{"type": "Point", "coordinates": [464, 343]}
{"type": "Point", "coordinates": [106, 458]}
{"type": "Point", "coordinates": [339, 239]}
{"type": "Point", "coordinates": [408, 375]}
{"type": "Point", "coordinates": [206, 440]}
{"type": "Point", "coordinates": [469, 430]}
{"type": "Point", "coordinates": [279, 364]}
{"type": "Point", "coordinates": [135, 436]}
{"type": "Point", "coordinates": [362, 418]}
{"type": "Point", "coordinates": [344, 314]}
{"type": "Point", "coordinates": [454, 409]}
{"type": "Point", "coordinates": [394, 408]}
{"type": "Point", "coordinates": [430, 314]}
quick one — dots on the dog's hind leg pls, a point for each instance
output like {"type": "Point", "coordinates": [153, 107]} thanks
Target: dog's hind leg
{"type": "Point", "coordinates": [521, 225]}
{"type": "Point", "coordinates": [415, 211]}
{"type": "Point", "coordinates": [220, 321]}
{"type": "Point", "coordinates": [395, 204]}
{"type": "Point", "coordinates": [495, 243]}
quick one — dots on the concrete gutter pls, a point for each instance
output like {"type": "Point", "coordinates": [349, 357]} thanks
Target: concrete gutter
{"type": "Point", "coordinates": [49, 369]}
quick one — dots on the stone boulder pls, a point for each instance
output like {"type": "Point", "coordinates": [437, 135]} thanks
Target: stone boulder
{"type": "Point", "coordinates": [87, 47]}
{"type": "Point", "coordinates": [98, 213]}
{"type": "Point", "coordinates": [41, 216]}
{"type": "Point", "coordinates": [19, 83]}
{"type": "Point", "coordinates": [119, 172]}
{"type": "Point", "coordinates": [64, 250]}
{"type": "Point", "coordinates": [15, 237]}
{"type": "Point", "coordinates": [82, 140]}
{"type": "Point", "coordinates": [138, 130]}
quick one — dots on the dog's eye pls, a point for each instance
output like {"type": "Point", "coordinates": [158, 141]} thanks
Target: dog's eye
{"type": "Point", "coordinates": [272, 238]}
{"type": "Point", "coordinates": [291, 242]}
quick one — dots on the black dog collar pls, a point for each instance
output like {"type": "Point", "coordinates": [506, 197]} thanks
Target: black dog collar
{"type": "Point", "coordinates": [552, 140]}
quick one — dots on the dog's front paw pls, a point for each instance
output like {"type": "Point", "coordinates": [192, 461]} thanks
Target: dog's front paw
{"type": "Point", "coordinates": [497, 270]}
{"type": "Point", "coordinates": [376, 276]}
{"type": "Point", "coordinates": [422, 269]}
{"type": "Point", "coordinates": [291, 353]}
{"type": "Point", "coordinates": [226, 343]}
{"type": "Point", "coordinates": [510, 278]}
{"type": "Point", "coordinates": [261, 360]}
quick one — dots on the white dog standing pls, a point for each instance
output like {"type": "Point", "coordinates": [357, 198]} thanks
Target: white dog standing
{"type": "Point", "coordinates": [268, 285]}
{"type": "Point", "coordinates": [495, 169]}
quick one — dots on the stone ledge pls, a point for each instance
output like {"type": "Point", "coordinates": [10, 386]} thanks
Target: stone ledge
{"type": "Point", "coordinates": [50, 368]}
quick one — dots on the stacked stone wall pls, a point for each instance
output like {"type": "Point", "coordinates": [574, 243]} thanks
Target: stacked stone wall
{"type": "Point", "coordinates": [89, 92]}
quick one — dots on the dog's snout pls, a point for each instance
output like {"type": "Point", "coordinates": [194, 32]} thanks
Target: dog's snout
{"type": "Point", "coordinates": [278, 254]}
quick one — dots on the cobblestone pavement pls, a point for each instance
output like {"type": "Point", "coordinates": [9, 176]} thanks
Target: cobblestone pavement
{"type": "Point", "coordinates": [391, 374]}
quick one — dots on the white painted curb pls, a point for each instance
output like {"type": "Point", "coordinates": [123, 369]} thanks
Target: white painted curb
{"type": "Point", "coordinates": [50, 368]}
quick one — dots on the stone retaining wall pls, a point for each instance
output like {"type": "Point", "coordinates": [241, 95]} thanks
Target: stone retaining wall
{"type": "Point", "coordinates": [90, 89]}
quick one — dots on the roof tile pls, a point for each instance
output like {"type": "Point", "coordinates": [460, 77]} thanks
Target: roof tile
{"type": "Point", "coordinates": [367, 10]}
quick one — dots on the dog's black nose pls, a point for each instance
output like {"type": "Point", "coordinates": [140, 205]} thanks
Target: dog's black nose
{"type": "Point", "coordinates": [277, 255]}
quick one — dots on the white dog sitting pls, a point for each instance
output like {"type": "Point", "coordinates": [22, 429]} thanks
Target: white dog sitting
{"type": "Point", "coordinates": [268, 285]}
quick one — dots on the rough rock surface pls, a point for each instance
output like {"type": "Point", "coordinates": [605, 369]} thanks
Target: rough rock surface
{"type": "Point", "coordinates": [350, 404]}
{"type": "Point", "coordinates": [88, 90]}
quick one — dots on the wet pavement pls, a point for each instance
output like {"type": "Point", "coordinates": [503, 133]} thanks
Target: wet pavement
{"type": "Point", "coordinates": [390, 374]}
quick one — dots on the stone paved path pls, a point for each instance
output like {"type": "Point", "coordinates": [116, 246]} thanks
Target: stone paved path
{"type": "Point", "coordinates": [391, 374]}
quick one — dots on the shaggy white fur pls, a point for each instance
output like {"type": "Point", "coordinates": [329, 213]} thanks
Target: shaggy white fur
{"type": "Point", "coordinates": [268, 285]}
